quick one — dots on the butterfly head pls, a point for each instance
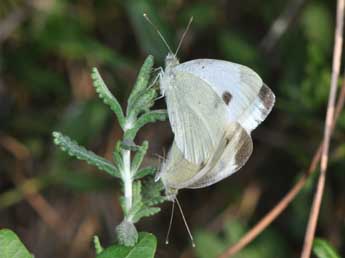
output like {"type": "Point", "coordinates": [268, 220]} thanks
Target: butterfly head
{"type": "Point", "coordinates": [171, 60]}
{"type": "Point", "coordinates": [171, 193]}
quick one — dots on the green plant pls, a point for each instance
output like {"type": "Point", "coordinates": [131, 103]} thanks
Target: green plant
{"type": "Point", "coordinates": [322, 249]}
{"type": "Point", "coordinates": [11, 246]}
{"type": "Point", "coordinates": [139, 195]}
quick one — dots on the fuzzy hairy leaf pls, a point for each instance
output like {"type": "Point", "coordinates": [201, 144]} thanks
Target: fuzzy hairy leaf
{"type": "Point", "coordinates": [152, 192]}
{"type": "Point", "coordinates": [73, 149]}
{"type": "Point", "coordinates": [149, 117]}
{"type": "Point", "coordinates": [142, 81]}
{"type": "Point", "coordinates": [11, 246]}
{"type": "Point", "coordinates": [143, 102]}
{"type": "Point", "coordinates": [122, 201]}
{"type": "Point", "coordinates": [322, 249]}
{"type": "Point", "coordinates": [137, 204]}
{"type": "Point", "coordinates": [144, 248]}
{"type": "Point", "coordinates": [107, 96]}
{"type": "Point", "coordinates": [117, 157]}
{"type": "Point", "coordinates": [145, 212]}
{"type": "Point", "coordinates": [143, 198]}
{"type": "Point", "coordinates": [148, 171]}
{"type": "Point", "coordinates": [126, 233]}
{"type": "Point", "coordinates": [138, 158]}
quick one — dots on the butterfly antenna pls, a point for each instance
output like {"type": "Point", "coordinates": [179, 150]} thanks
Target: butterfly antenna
{"type": "Point", "coordinates": [157, 30]}
{"type": "Point", "coordinates": [183, 35]}
{"type": "Point", "coordinates": [185, 222]}
{"type": "Point", "coordinates": [170, 223]}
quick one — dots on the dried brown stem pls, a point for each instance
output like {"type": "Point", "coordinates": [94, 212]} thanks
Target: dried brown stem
{"type": "Point", "coordinates": [274, 213]}
{"type": "Point", "coordinates": [315, 210]}
{"type": "Point", "coordinates": [282, 24]}
{"type": "Point", "coordinates": [286, 200]}
{"type": "Point", "coordinates": [28, 188]}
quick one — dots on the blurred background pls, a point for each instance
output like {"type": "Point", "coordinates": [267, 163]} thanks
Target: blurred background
{"type": "Point", "coordinates": [56, 204]}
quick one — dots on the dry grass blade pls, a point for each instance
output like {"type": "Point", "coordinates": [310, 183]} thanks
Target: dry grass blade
{"type": "Point", "coordinates": [314, 213]}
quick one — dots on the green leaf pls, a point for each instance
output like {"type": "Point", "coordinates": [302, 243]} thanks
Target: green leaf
{"type": "Point", "coordinates": [149, 117]}
{"type": "Point", "coordinates": [97, 244]}
{"type": "Point", "coordinates": [73, 149]}
{"type": "Point", "coordinates": [316, 22]}
{"type": "Point", "coordinates": [144, 248]}
{"type": "Point", "coordinates": [145, 212]}
{"type": "Point", "coordinates": [126, 233]}
{"type": "Point", "coordinates": [138, 158]}
{"type": "Point", "coordinates": [137, 200]}
{"type": "Point", "coordinates": [208, 245]}
{"type": "Point", "coordinates": [143, 198]}
{"type": "Point", "coordinates": [146, 35]}
{"type": "Point", "coordinates": [142, 103]}
{"type": "Point", "coordinates": [152, 192]}
{"type": "Point", "coordinates": [107, 96]}
{"type": "Point", "coordinates": [237, 48]}
{"type": "Point", "coordinates": [322, 249]}
{"type": "Point", "coordinates": [142, 80]}
{"type": "Point", "coordinates": [11, 246]}
{"type": "Point", "coordinates": [145, 172]}
{"type": "Point", "coordinates": [117, 155]}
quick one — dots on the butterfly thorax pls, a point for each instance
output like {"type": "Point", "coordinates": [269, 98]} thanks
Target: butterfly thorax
{"type": "Point", "coordinates": [170, 61]}
{"type": "Point", "coordinates": [168, 74]}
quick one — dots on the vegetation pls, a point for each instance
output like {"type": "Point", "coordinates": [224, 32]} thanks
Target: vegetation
{"type": "Point", "coordinates": [57, 204]}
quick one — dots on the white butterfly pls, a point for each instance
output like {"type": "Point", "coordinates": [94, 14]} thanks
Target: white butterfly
{"type": "Point", "coordinates": [213, 106]}
{"type": "Point", "coordinates": [204, 95]}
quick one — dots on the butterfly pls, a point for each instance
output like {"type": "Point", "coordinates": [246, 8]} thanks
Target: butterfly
{"type": "Point", "coordinates": [213, 106]}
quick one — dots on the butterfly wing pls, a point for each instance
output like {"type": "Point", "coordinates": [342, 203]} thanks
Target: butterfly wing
{"type": "Point", "coordinates": [198, 116]}
{"type": "Point", "coordinates": [248, 99]}
{"type": "Point", "coordinates": [176, 170]}
{"type": "Point", "coordinates": [230, 155]}
{"type": "Point", "coordinates": [236, 152]}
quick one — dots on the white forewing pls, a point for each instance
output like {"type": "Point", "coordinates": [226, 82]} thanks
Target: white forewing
{"type": "Point", "coordinates": [198, 116]}
{"type": "Point", "coordinates": [249, 99]}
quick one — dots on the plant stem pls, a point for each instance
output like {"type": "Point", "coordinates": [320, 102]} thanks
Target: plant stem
{"type": "Point", "coordinates": [315, 210]}
{"type": "Point", "coordinates": [126, 173]}
{"type": "Point", "coordinates": [127, 178]}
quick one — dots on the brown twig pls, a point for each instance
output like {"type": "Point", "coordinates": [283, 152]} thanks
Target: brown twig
{"type": "Point", "coordinates": [286, 200]}
{"type": "Point", "coordinates": [315, 210]}
{"type": "Point", "coordinates": [29, 188]}
{"type": "Point", "coordinates": [81, 241]}
{"type": "Point", "coordinates": [281, 24]}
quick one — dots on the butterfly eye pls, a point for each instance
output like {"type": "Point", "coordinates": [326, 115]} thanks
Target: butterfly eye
{"type": "Point", "coordinates": [226, 97]}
